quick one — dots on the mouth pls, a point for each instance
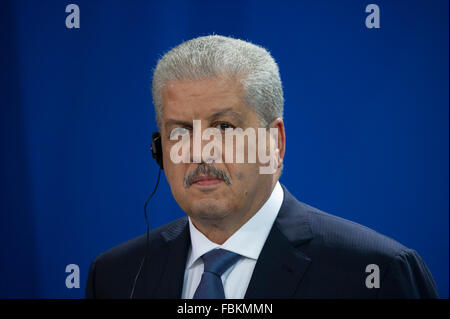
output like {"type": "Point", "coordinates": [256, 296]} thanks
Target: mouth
{"type": "Point", "coordinates": [206, 180]}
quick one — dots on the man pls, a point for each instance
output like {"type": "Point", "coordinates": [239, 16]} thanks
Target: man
{"type": "Point", "coordinates": [245, 235]}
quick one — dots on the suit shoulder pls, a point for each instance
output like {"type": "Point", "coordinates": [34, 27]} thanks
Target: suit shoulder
{"type": "Point", "coordinates": [339, 233]}
{"type": "Point", "coordinates": [136, 246]}
{"type": "Point", "coordinates": [340, 250]}
{"type": "Point", "coordinates": [113, 272]}
{"type": "Point", "coordinates": [333, 234]}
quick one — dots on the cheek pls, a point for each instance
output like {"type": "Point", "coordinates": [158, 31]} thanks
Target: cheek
{"type": "Point", "coordinates": [244, 174]}
{"type": "Point", "coordinates": [175, 178]}
{"type": "Point", "coordinates": [237, 172]}
{"type": "Point", "coordinates": [174, 174]}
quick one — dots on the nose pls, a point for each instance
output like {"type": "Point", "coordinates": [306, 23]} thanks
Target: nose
{"type": "Point", "coordinates": [206, 144]}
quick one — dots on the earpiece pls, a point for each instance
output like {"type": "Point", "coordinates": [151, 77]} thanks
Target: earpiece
{"type": "Point", "coordinates": [157, 149]}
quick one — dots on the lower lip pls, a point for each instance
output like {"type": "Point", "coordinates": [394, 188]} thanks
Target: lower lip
{"type": "Point", "coordinates": [208, 182]}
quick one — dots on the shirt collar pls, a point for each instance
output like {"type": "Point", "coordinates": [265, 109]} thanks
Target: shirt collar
{"type": "Point", "coordinates": [248, 240]}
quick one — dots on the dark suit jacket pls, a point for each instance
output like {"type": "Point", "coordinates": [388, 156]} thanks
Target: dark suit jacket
{"type": "Point", "coordinates": [308, 254]}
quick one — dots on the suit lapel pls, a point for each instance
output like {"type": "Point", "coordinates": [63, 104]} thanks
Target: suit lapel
{"type": "Point", "coordinates": [167, 273]}
{"type": "Point", "coordinates": [281, 265]}
{"type": "Point", "coordinates": [278, 270]}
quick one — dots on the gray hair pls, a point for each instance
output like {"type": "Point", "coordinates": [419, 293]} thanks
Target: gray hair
{"type": "Point", "coordinates": [215, 55]}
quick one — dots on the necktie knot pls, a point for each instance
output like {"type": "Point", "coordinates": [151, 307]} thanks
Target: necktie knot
{"type": "Point", "coordinates": [217, 261]}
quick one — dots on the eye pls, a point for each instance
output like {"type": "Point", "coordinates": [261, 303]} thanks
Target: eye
{"type": "Point", "coordinates": [224, 125]}
{"type": "Point", "coordinates": [178, 131]}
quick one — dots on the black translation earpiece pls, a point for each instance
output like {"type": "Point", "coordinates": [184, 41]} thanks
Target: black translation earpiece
{"type": "Point", "coordinates": [157, 149]}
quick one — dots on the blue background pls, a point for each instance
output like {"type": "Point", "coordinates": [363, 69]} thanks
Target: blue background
{"type": "Point", "coordinates": [366, 116]}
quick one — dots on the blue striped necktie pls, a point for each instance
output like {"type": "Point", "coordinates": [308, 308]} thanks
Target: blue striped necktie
{"type": "Point", "coordinates": [216, 262]}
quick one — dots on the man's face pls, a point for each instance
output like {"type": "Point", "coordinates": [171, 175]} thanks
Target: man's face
{"type": "Point", "coordinates": [241, 190]}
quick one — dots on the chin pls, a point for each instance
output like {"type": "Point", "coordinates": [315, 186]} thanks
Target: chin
{"type": "Point", "coordinates": [209, 209]}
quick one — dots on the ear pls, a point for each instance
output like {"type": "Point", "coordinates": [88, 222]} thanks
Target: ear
{"type": "Point", "coordinates": [281, 146]}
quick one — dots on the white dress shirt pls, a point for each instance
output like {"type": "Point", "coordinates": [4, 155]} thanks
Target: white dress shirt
{"type": "Point", "coordinates": [247, 241]}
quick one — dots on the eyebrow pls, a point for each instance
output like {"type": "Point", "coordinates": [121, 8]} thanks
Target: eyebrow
{"type": "Point", "coordinates": [225, 112]}
{"type": "Point", "coordinates": [171, 122]}
{"type": "Point", "coordinates": [218, 114]}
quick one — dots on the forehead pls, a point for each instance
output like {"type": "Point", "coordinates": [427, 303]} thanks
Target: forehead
{"type": "Point", "coordinates": [199, 98]}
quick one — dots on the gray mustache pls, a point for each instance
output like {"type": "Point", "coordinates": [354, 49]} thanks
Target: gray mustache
{"type": "Point", "coordinates": [205, 169]}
